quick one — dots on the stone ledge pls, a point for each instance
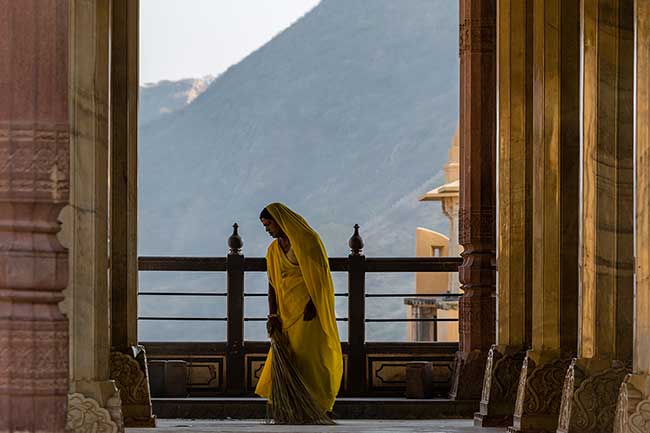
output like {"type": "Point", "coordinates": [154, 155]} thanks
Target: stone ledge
{"type": "Point", "coordinates": [344, 408]}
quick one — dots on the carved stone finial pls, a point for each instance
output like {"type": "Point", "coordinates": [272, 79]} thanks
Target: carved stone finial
{"type": "Point", "coordinates": [356, 242]}
{"type": "Point", "coordinates": [234, 241]}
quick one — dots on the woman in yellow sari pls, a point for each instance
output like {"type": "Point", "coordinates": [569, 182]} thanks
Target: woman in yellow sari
{"type": "Point", "coordinates": [301, 304]}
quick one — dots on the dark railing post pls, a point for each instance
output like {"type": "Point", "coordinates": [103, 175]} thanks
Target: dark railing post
{"type": "Point", "coordinates": [235, 380]}
{"type": "Point", "coordinates": [356, 374]}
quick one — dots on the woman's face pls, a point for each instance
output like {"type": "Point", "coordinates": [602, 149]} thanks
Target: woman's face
{"type": "Point", "coordinates": [272, 227]}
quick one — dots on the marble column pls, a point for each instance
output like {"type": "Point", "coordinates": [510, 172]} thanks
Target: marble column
{"type": "Point", "coordinates": [607, 250]}
{"type": "Point", "coordinates": [128, 359]}
{"type": "Point", "coordinates": [94, 401]}
{"type": "Point", "coordinates": [34, 187]}
{"type": "Point", "coordinates": [556, 168]}
{"type": "Point", "coordinates": [633, 408]}
{"type": "Point", "coordinates": [477, 219]}
{"type": "Point", "coordinates": [514, 254]}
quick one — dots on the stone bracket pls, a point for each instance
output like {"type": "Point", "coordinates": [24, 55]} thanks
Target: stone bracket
{"type": "Point", "coordinates": [94, 405]}
{"type": "Point", "coordinates": [589, 397]}
{"type": "Point", "coordinates": [539, 393]}
{"type": "Point", "coordinates": [467, 380]}
{"type": "Point", "coordinates": [86, 415]}
{"type": "Point", "coordinates": [129, 370]}
{"type": "Point", "coordinates": [500, 383]}
{"type": "Point", "coordinates": [633, 407]}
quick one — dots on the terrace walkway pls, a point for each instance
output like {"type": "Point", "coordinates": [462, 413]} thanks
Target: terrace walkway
{"type": "Point", "coordinates": [343, 426]}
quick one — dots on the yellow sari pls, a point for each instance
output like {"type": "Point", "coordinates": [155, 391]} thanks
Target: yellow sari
{"type": "Point", "coordinates": [315, 343]}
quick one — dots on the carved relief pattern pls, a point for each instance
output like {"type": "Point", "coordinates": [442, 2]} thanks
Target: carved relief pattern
{"type": "Point", "coordinates": [476, 311]}
{"type": "Point", "coordinates": [544, 388]}
{"type": "Point", "coordinates": [506, 376]}
{"type": "Point", "coordinates": [477, 36]}
{"type": "Point", "coordinates": [4, 356]}
{"type": "Point", "coordinates": [34, 357]}
{"type": "Point", "coordinates": [253, 369]}
{"type": "Point", "coordinates": [114, 408]}
{"type": "Point", "coordinates": [477, 225]}
{"type": "Point", "coordinates": [34, 159]}
{"type": "Point", "coordinates": [86, 416]}
{"type": "Point", "coordinates": [628, 399]}
{"type": "Point", "coordinates": [594, 401]}
{"type": "Point", "coordinates": [639, 421]}
{"type": "Point", "coordinates": [205, 374]}
{"type": "Point", "coordinates": [389, 374]}
{"type": "Point", "coordinates": [257, 372]}
{"type": "Point", "coordinates": [130, 379]}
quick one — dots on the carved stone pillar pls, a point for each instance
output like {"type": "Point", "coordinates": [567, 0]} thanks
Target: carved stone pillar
{"type": "Point", "coordinates": [607, 255]}
{"type": "Point", "coordinates": [556, 156]}
{"type": "Point", "coordinates": [477, 307]}
{"type": "Point", "coordinates": [514, 256]}
{"type": "Point", "coordinates": [128, 360]}
{"type": "Point", "coordinates": [633, 409]}
{"type": "Point", "coordinates": [94, 401]}
{"type": "Point", "coordinates": [34, 187]}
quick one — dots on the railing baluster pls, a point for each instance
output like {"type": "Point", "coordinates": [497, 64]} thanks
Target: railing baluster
{"type": "Point", "coordinates": [356, 373]}
{"type": "Point", "coordinates": [235, 369]}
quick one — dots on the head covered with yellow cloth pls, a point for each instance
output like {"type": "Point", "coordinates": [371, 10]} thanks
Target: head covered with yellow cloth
{"type": "Point", "coordinates": [316, 343]}
{"type": "Point", "coordinates": [313, 262]}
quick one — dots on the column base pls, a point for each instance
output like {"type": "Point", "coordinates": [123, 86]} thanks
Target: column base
{"type": "Point", "coordinates": [129, 370]}
{"type": "Point", "coordinates": [589, 396]}
{"type": "Point", "coordinates": [502, 371]}
{"type": "Point", "coordinates": [633, 406]}
{"type": "Point", "coordinates": [539, 392]}
{"type": "Point", "coordinates": [94, 406]}
{"type": "Point", "coordinates": [467, 381]}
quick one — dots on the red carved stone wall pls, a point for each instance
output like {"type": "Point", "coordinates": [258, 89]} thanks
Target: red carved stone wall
{"type": "Point", "coordinates": [34, 165]}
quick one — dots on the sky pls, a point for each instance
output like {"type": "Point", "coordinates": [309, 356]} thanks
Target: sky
{"type": "Point", "coordinates": [194, 38]}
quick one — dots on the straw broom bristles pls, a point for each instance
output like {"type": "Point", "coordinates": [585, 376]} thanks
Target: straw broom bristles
{"type": "Point", "coordinates": [290, 402]}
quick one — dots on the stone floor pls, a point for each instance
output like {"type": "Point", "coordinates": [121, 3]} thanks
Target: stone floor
{"type": "Point", "coordinates": [343, 426]}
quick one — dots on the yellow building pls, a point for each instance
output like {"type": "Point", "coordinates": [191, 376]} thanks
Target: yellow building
{"type": "Point", "coordinates": [429, 243]}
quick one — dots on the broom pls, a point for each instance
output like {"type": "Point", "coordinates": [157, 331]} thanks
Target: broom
{"type": "Point", "coordinates": [290, 402]}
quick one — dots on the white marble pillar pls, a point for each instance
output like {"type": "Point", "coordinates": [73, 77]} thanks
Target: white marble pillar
{"type": "Point", "coordinates": [633, 409]}
{"type": "Point", "coordinates": [128, 360]}
{"type": "Point", "coordinates": [94, 401]}
{"type": "Point", "coordinates": [607, 221]}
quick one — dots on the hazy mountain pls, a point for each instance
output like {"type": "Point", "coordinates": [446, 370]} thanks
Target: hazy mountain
{"type": "Point", "coordinates": [165, 97]}
{"type": "Point", "coordinates": [346, 117]}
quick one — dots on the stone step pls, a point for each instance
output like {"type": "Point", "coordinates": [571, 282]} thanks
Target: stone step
{"type": "Point", "coordinates": [345, 408]}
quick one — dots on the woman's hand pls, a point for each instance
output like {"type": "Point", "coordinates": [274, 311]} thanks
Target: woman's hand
{"type": "Point", "coordinates": [310, 311]}
{"type": "Point", "coordinates": [273, 323]}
